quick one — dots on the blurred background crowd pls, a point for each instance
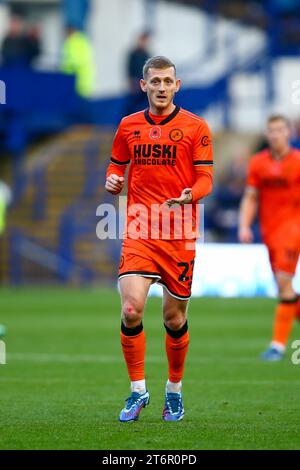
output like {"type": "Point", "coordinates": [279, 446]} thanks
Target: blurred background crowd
{"type": "Point", "coordinates": [70, 71]}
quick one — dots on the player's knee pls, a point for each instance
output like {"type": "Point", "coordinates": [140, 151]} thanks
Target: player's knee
{"type": "Point", "coordinates": [285, 287]}
{"type": "Point", "coordinates": [285, 294]}
{"type": "Point", "coordinates": [174, 322]}
{"type": "Point", "coordinates": [132, 311]}
{"type": "Point", "coordinates": [174, 318]}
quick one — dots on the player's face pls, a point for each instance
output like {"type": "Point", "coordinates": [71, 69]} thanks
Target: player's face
{"type": "Point", "coordinates": [278, 134]}
{"type": "Point", "coordinates": [160, 86]}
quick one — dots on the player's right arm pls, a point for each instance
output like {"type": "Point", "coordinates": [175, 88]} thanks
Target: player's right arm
{"type": "Point", "coordinates": [248, 211]}
{"type": "Point", "coordinates": [249, 203]}
{"type": "Point", "coordinates": [120, 159]}
{"type": "Point", "coordinates": [114, 183]}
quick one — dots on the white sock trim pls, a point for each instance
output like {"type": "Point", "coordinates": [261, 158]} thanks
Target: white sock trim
{"type": "Point", "coordinates": [279, 346]}
{"type": "Point", "coordinates": [138, 386]}
{"type": "Point", "coordinates": [173, 387]}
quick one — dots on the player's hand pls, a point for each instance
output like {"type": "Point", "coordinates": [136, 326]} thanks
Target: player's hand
{"type": "Point", "coordinates": [245, 235]}
{"type": "Point", "coordinates": [114, 184]}
{"type": "Point", "coordinates": [185, 198]}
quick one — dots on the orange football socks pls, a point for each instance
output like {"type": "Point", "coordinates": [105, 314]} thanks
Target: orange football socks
{"type": "Point", "coordinates": [177, 343]}
{"type": "Point", "coordinates": [284, 317]}
{"type": "Point", "coordinates": [133, 342]}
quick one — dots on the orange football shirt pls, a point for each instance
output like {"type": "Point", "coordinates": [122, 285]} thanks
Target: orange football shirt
{"type": "Point", "coordinates": [166, 154]}
{"type": "Point", "coordinates": [278, 182]}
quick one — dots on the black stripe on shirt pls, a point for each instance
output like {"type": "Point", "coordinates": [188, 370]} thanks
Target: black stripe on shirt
{"type": "Point", "coordinates": [113, 160]}
{"type": "Point", "coordinates": [203, 162]}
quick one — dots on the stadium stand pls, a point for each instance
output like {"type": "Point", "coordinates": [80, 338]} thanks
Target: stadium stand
{"type": "Point", "coordinates": [56, 185]}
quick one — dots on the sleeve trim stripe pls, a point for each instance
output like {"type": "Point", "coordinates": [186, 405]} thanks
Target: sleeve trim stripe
{"type": "Point", "coordinates": [203, 162]}
{"type": "Point", "coordinates": [113, 160]}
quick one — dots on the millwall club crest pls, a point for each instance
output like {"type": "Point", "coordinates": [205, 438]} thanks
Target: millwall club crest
{"type": "Point", "coordinates": [155, 132]}
{"type": "Point", "coordinates": [176, 135]}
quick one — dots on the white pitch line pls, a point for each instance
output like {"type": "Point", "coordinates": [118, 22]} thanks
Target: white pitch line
{"type": "Point", "coordinates": [62, 357]}
{"type": "Point", "coordinates": [202, 382]}
{"type": "Point", "coordinates": [106, 359]}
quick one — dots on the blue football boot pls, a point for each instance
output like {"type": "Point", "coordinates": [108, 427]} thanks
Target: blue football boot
{"type": "Point", "coordinates": [272, 354]}
{"type": "Point", "coordinates": [133, 407]}
{"type": "Point", "coordinates": [173, 410]}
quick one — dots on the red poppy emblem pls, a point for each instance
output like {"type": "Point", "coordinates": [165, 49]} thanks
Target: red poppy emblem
{"type": "Point", "coordinates": [155, 132]}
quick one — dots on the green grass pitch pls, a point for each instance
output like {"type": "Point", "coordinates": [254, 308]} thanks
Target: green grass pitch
{"type": "Point", "coordinates": [65, 382]}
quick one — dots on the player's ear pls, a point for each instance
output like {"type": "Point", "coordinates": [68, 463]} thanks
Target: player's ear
{"type": "Point", "coordinates": [143, 85]}
{"type": "Point", "coordinates": [178, 85]}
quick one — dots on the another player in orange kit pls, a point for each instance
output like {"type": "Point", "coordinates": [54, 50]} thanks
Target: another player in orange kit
{"type": "Point", "coordinates": [170, 155]}
{"type": "Point", "coordinates": [273, 187]}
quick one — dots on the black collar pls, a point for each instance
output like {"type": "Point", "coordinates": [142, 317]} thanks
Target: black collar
{"type": "Point", "coordinates": [164, 121]}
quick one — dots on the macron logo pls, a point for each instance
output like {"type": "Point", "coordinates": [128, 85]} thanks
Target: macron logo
{"type": "Point", "coordinates": [2, 92]}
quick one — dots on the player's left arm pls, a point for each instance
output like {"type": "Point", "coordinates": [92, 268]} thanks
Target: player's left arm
{"type": "Point", "coordinates": [203, 165]}
{"type": "Point", "coordinates": [203, 162]}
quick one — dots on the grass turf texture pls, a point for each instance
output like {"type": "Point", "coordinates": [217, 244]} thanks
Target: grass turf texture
{"type": "Point", "coordinates": [65, 382]}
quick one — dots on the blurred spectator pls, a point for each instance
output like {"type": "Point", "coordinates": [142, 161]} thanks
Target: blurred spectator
{"type": "Point", "coordinates": [135, 62]}
{"type": "Point", "coordinates": [33, 42]}
{"type": "Point", "coordinates": [78, 60]}
{"type": "Point", "coordinates": [18, 47]}
{"type": "Point", "coordinates": [5, 200]}
{"type": "Point", "coordinates": [228, 194]}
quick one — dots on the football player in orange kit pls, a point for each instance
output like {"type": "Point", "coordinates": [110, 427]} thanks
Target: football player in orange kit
{"type": "Point", "coordinates": [170, 155]}
{"type": "Point", "coordinates": [273, 187]}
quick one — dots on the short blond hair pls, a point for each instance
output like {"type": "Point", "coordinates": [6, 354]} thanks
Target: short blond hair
{"type": "Point", "coordinates": [157, 62]}
{"type": "Point", "coordinates": [279, 117]}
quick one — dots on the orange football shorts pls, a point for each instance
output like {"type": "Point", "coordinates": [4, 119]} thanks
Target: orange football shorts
{"type": "Point", "coordinates": [169, 262]}
{"type": "Point", "coordinates": [284, 247]}
{"type": "Point", "coordinates": [284, 258]}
